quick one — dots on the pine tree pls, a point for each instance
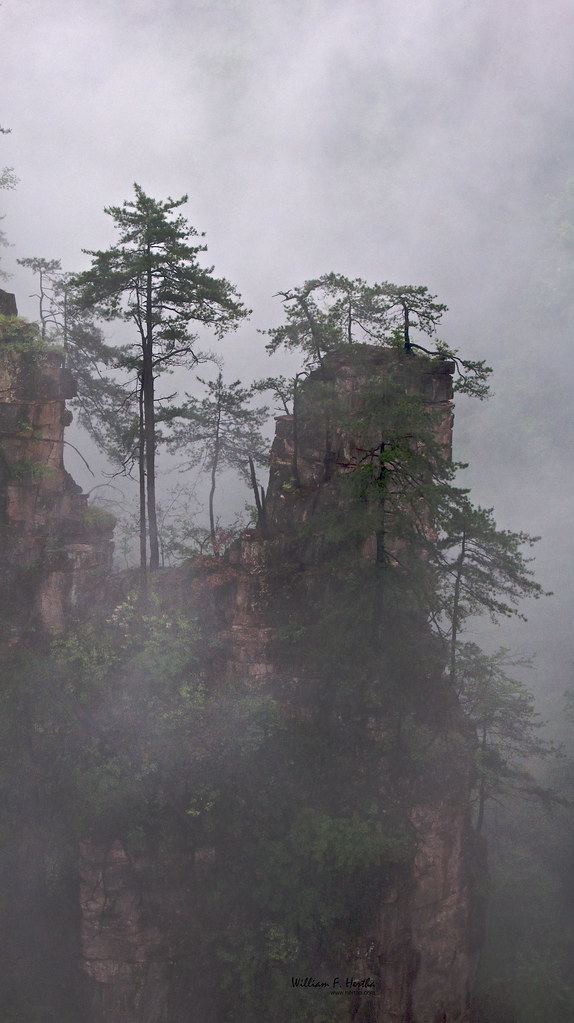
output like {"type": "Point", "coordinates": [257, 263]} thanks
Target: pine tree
{"type": "Point", "coordinates": [501, 709]}
{"type": "Point", "coordinates": [152, 279]}
{"type": "Point", "coordinates": [219, 430]}
{"type": "Point", "coordinates": [481, 569]}
{"type": "Point", "coordinates": [332, 311]}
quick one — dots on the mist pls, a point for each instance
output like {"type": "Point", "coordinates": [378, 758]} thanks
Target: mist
{"type": "Point", "coordinates": [416, 143]}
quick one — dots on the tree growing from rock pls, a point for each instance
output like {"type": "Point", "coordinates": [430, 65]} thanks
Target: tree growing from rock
{"type": "Point", "coordinates": [502, 711]}
{"type": "Point", "coordinates": [332, 311]}
{"type": "Point", "coordinates": [481, 569]}
{"type": "Point", "coordinates": [152, 279]}
{"type": "Point", "coordinates": [397, 490]}
{"type": "Point", "coordinates": [104, 405]}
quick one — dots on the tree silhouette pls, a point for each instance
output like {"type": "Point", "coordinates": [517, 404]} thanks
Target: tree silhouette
{"type": "Point", "coordinates": [220, 430]}
{"type": "Point", "coordinates": [152, 279]}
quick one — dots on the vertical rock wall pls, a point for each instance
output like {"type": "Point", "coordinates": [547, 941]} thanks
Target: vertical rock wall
{"type": "Point", "coordinates": [54, 550]}
{"type": "Point", "coordinates": [55, 554]}
{"type": "Point", "coordinates": [429, 923]}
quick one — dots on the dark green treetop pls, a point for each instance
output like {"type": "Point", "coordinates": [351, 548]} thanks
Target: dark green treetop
{"type": "Point", "coordinates": [152, 278]}
{"type": "Point", "coordinates": [331, 311]}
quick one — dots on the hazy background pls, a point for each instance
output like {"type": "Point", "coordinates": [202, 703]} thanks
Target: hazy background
{"type": "Point", "coordinates": [416, 142]}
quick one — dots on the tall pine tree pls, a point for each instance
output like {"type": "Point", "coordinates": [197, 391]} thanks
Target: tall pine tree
{"type": "Point", "coordinates": [152, 279]}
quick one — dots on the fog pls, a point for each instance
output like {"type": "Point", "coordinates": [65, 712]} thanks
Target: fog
{"type": "Point", "coordinates": [420, 143]}
{"type": "Point", "coordinates": [415, 143]}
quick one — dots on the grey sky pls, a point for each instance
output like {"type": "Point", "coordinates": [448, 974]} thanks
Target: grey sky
{"type": "Point", "coordinates": [415, 142]}
{"type": "Point", "coordinates": [384, 139]}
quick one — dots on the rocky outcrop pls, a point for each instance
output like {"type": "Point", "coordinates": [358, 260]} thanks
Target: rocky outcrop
{"type": "Point", "coordinates": [323, 439]}
{"type": "Point", "coordinates": [424, 950]}
{"type": "Point", "coordinates": [126, 953]}
{"type": "Point", "coordinates": [431, 922]}
{"type": "Point", "coordinates": [137, 917]}
{"type": "Point", "coordinates": [7, 304]}
{"type": "Point", "coordinates": [54, 549]}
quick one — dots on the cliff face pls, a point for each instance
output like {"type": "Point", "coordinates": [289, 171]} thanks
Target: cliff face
{"type": "Point", "coordinates": [431, 918]}
{"type": "Point", "coordinates": [138, 920]}
{"type": "Point", "coordinates": [54, 550]}
{"type": "Point", "coordinates": [423, 951]}
{"type": "Point", "coordinates": [337, 423]}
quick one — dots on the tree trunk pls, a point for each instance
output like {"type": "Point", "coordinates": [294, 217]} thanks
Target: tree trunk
{"type": "Point", "coordinates": [142, 489]}
{"type": "Point", "coordinates": [214, 466]}
{"type": "Point", "coordinates": [66, 345]}
{"type": "Point", "coordinates": [455, 610]}
{"type": "Point", "coordinates": [406, 328]}
{"type": "Point", "coordinates": [295, 466]}
{"type": "Point", "coordinates": [43, 320]}
{"type": "Point", "coordinates": [259, 498]}
{"type": "Point", "coordinates": [481, 788]}
{"type": "Point", "coordinates": [149, 425]}
{"type": "Point", "coordinates": [380, 558]}
{"type": "Point", "coordinates": [314, 333]}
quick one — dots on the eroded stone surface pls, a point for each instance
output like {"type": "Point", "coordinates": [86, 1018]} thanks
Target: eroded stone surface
{"type": "Point", "coordinates": [53, 557]}
{"type": "Point", "coordinates": [136, 922]}
{"type": "Point", "coordinates": [429, 930]}
{"type": "Point", "coordinates": [7, 304]}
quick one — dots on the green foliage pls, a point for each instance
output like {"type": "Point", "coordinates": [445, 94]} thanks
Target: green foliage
{"type": "Point", "coordinates": [282, 389]}
{"type": "Point", "coordinates": [484, 569]}
{"type": "Point", "coordinates": [130, 737]}
{"type": "Point", "coordinates": [501, 710]}
{"type": "Point", "coordinates": [48, 271]}
{"type": "Point", "coordinates": [8, 178]}
{"type": "Point", "coordinates": [287, 802]}
{"type": "Point", "coordinates": [218, 431]}
{"type": "Point", "coordinates": [103, 404]}
{"type": "Point", "coordinates": [155, 246]}
{"type": "Point", "coordinates": [19, 335]}
{"type": "Point", "coordinates": [398, 494]}
{"type": "Point", "coordinates": [152, 279]}
{"type": "Point", "coordinates": [181, 537]}
{"type": "Point", "coordinates": [96, 520]}
{"type": "Point", "coordinates": [29, 470]}
{"type": "Point", "coordinates": [332, 311]}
